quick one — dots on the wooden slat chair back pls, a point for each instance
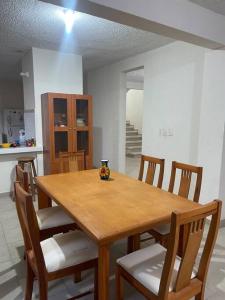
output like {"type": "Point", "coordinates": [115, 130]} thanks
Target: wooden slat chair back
{"type": "Point", "coordinates": [161, 232]}
{"type": "Point", "coordinates": [47, 215]}
{"type": "Point", "coordinates": [194, 221]}
{"type": "Point", "coordinates": [185, 179]}
{"type": "Point", "coordinates": [35, 260]}
{"type": "Point", "coordinates": [186, 285]}
{"type": "Point", "coordinates": [152, 163]}
{"type": "Point", "coordinates": [30, 230]}
{"type": "Point", "coordinates": [72, 161]}
{"type": "Point", "coordinates": [22, 177]}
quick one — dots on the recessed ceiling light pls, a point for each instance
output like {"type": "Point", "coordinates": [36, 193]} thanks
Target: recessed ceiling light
{"type": "Point", "coordinates": [68, 16]}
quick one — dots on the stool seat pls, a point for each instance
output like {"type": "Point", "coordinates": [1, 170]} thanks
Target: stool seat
{"type": "Point", "coordinates": [26, 159]}
{"type": "Point", "coordinates": [29, 162]}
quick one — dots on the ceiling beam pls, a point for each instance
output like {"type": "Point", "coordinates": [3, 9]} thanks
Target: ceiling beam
{"type": "Point", "coordinates": [180, 20]}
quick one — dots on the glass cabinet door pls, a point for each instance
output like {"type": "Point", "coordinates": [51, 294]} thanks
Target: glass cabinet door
{"type": "Point", "coordinates": [60, 112]}
{"type": "Point", "coordinates": [81, 113]}
{"type": "Point", "coordinates": [61, 142]}
{"type": "Point", "coordinates": [83, 141]}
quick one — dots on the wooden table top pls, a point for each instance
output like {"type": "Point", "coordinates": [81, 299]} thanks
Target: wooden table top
{"type": "Point", "coordinates": [110, 210]}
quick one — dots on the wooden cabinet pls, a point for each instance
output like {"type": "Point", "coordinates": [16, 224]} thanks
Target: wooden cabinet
{"type": "Point", "coordinates": [66, 127]}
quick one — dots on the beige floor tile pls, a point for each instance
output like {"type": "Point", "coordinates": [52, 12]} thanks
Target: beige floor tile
{"type": "Point", "coordinates": [4, 253]}
{"type": "Point", "coordinates": [13, 235]}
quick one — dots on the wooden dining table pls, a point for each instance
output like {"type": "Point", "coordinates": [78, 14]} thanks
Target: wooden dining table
{"type": "Point", "coordinates": [109, 210]}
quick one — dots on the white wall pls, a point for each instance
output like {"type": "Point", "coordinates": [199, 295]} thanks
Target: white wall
{"type": "Point", "coordinates": [134, 108]}
{"type": "Point", "coordinates": [184, 92]}
{"type": "Point", "coordinates": [54, 72]}
{"type": "Point", "coordinates": [50, 71]}
{"type": "Point", "coordinates": [174, 67]}
{"type": "Point", "coordinates": [211, 141]}
{"type": "Point", "coordinates": [135, 85]}
{"type": "Point", "coordinates": [108, 88]}
{"type": "Point", "coordinates": [173, 79]}
{"type": "Point", "coordinates": [28, 82]}
{"type": "Point", "coordinates": [11, 96]}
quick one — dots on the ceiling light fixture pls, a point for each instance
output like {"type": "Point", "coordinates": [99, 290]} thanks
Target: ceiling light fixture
{"type": "Point", "coordinates": [68, 17]}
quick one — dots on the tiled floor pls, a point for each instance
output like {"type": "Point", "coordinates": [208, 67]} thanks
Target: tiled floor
{"type": "Point", "coordinates": [12, 265]}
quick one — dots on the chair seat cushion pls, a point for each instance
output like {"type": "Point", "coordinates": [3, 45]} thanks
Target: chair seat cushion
{"type": "Point", "coordinates": [146, 266]}
{"type": "Point", "coordinates": [163, 229]}
{"type": "Point", "coordinates": [68, 249]}
{"type": "Point", "coordinates": [52, 217]}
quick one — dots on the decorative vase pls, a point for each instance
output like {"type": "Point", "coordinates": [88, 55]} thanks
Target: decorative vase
{"type": "Point", "coordinates": [104, 170]}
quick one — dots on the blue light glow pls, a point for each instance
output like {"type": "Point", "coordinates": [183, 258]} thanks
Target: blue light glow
{"type": "Point", "coordinates": [68, 16]}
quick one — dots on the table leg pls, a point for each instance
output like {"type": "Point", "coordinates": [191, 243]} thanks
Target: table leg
{"type": "Point", "coordinates": [103, 272]}
{"type": "Point", "coordinates": [43, 200]}
{"type": "Point", "coordinates": [133, 243]}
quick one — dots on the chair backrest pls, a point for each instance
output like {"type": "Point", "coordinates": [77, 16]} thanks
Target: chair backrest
{"type": "Point", "coordinates": [194, 220]}
{"type": "Point", "coordinates": [72, 161]}
{"type": "Point", "coordinates": [185, 179]}
{"type": "Point", "coordinates": [22, 177]}
{"type": "Point", "coordinates": [152, 163]}
{"type": "Point", "coordinates": [30, 229]}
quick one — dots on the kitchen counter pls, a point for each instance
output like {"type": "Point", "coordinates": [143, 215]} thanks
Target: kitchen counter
{"type": "Point", "coordinates": [8, 161]}
{"type": "Point", "coordinates": [20, 150]}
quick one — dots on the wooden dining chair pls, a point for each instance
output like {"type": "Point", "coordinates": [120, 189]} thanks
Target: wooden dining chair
{"type": "Point", "coordinates": [55, 257]}
{"type": "Point", "coordinates": [152, 163]}
{"type": "Point", "coordinates": [72, 161]}
{"type": "Point", "coordinates": [161, 232]}
{"type": "Point", "coordinates": [159, 274]}
{"type": "Point", "coordinates": [51, 220]}
{"type": "Point", "coordinates": [185, 179]}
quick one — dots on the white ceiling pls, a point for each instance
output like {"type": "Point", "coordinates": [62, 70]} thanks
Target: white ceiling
{"type": "Point", "coordinates": [31, 23]}
{"type": "Point", "coordinates": [218, 6]}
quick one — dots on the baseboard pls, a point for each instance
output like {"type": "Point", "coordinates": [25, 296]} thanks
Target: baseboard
{"type": "Point", "coordinates": [5, 194]}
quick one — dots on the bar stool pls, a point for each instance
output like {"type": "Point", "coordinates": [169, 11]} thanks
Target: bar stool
{"type": "Point", "coordinates": [28, 163]}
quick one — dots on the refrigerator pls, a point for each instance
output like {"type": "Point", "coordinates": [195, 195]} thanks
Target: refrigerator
{"type": "Point", "coordinates": [13, 121]}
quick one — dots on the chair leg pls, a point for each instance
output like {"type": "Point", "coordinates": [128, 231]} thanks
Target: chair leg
{"type": "Point", "coordinates": [119, 285]}
{"type": "Point", "coordinates": [43, 289]}
{"type": "Point", "coordinates": [33, 169]}
{"type": "Point", "coordinates": [200, 296]}
{"type": "Point", "coordinates": [77, 277]}
{"type": "Point", "coordinates": [96, 283]}
{"type": "Point", "coordinates": [29, 282]}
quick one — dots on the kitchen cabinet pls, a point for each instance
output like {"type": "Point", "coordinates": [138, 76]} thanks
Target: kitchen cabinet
{"type": "Point", "coordinates": [66, 127]}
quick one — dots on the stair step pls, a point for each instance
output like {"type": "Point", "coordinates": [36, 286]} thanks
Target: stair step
{"type": "Point", "coordinates": [130, 127]}
{"type": "Point", "coordinates": [132, 132]}
{"type": "Point", "coordinates": [134, 143]}
{"type": "Point", "coordinates": [133, 148]}
{"type": "Point", "coordinates": [133, 154]}
{"type": "Point", "coordinates": [137, 137]}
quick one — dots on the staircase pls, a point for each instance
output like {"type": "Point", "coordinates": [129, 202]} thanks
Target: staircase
{"type": "Point", "coordinates": [133, 141]}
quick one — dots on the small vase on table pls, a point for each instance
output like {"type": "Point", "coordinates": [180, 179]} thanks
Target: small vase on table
{"type": "Point", "coordinates": [104, 170]}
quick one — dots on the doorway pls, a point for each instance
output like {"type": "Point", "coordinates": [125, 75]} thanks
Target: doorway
{"type": "Point", "coordinates": [134, 120]}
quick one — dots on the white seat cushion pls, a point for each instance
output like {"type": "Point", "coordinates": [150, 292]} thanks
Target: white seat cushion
{"type": "Point", "coordinates": [163, 229]}
{"type": "Point", "coordinates": [146, 266]}
{"type": "Point", "coordinates": [52, 217]}
{"type": "Point", "coordinates": [68, 249]}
